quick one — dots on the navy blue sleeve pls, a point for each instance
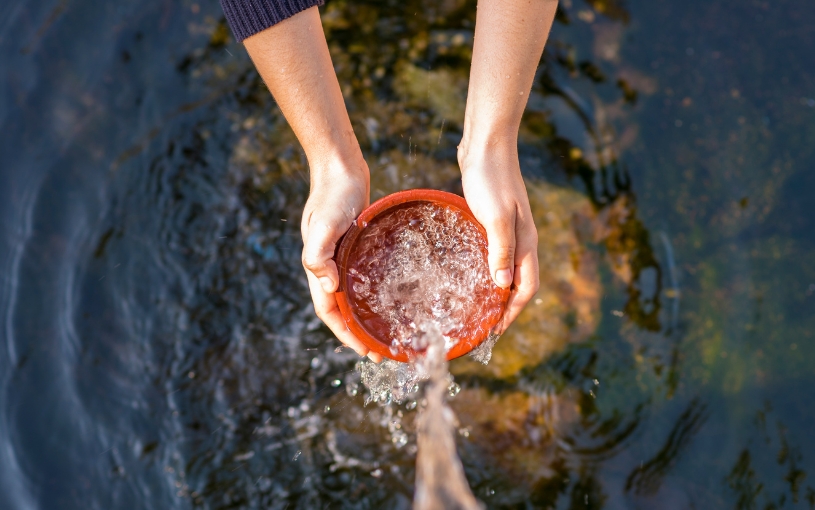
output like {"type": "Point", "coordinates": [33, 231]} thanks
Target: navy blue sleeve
{"type": "Point", "coordinates": [248, 17]}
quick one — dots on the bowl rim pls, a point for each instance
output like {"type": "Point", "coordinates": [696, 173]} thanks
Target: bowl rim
{"type": "Point", "coordinates": [349, 239]}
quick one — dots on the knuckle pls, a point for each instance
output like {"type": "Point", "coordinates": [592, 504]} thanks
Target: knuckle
{"type": "Point", "coordinates": [503, 253]}
{"type": "Point", "coordinates": [311, 262]}
{"type": "Point", "coordinates": [533, 236]}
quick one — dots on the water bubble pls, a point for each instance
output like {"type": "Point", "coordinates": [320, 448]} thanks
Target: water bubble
{"type": "Point", "coordinates": [411, 405]}
{"type": "Point", "coordinates": [316, 362]}
{"type": "Point", "coordinates": [335, 383]}
{"type": "Point", "coordinates": [296, 455]}
{"type": "Point", "coordinates": [464, 432]}
{"type": "Point", "coordinates": [453, 389]}
{"type": "Point", "coordinates": [376, 473]}
{"type": "Point", "coordinates": [326, 409]}
{"type": "Point", "coordinates": [435, 270]}
{"type": "Point", "coordinates": [399, 440]}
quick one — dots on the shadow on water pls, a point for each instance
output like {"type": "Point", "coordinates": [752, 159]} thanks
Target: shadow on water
{"type": "Point", "coordinates": [159, 345]}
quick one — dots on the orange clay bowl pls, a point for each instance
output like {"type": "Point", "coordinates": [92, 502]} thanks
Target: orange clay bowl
{"type": "Point", "coordinates": [372, 329]}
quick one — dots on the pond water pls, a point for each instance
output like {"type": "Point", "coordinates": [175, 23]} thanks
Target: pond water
{"type": "Point", "coordinates": [159, 349]}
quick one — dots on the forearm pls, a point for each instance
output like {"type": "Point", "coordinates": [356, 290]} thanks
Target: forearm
{"type": "Point", "coordinates": [509, 40]}
{"type": "Point", "coordinates": [292, 58]}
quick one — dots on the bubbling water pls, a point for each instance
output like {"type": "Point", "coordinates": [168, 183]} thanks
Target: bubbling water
{"type": "Point", "coordinates": [419, 264]}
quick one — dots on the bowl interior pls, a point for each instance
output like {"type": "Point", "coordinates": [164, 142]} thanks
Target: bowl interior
{"type": "Point", "coordinates": [417, 256]}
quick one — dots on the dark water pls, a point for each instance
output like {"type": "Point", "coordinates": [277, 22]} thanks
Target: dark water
{"type": "Point", "coordinates": [159, 349]}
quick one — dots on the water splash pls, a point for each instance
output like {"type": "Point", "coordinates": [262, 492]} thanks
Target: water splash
{"type": "Point", "coordinates": [420, 265]}
{"type": "Point", "coordinates": [440, 479]}
{"type": "Point", "coordinates": [483, 353]}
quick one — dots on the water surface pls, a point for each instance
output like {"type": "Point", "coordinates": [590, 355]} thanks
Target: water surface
{"type": "Point", "coordinates": [159, 349]}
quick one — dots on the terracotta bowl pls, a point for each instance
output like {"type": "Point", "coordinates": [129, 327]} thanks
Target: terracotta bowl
{"type": "Point", "coordinates": [378, 341]}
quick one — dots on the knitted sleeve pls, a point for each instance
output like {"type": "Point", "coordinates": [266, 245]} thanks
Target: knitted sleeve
{"type": "Point", "coordinates": [248, 17]}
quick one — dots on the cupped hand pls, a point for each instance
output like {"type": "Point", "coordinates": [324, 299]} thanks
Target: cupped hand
{"type": "Point", "coordinates": [496, 194]}
{"type": "Point", "coordinates": [338, 194]}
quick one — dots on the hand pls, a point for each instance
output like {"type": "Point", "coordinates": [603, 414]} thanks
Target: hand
{"type": "Point", "coordinates": [509, 39]}
{"type": "Point", "coordinates": [496, 194]}
{"type": "Point", "coordinates": [338, 194]}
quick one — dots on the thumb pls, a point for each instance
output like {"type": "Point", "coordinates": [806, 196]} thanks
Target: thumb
{"type": "Point", "coordinates": [318, 251]}
{"type": "Point", "coordinates": [501, 250]}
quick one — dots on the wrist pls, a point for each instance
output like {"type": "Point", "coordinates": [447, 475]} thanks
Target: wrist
{"type": "Point", "coordinates": [329, 168]}
{"type": "Point", "coordinates": [338, 158]}
{"type": "Point", "coordinates": [476, 147]}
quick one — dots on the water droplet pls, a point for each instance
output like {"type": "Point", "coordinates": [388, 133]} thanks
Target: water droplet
{"type": "Point", "coordinates": [411, 405]}
{"type": "Point", "coordinates": [316, 362]}
{"type": "Point", "coordinates": [453, 389]}
{"type": "Point", "coordinates": [335, 383]}
{"type": "Point", "coordinates": [464, 432]}
{"type": "Point", "coordinates": [400, 440]}
{"type": "Point", "coordinates": [338, 349]}
{"type": "Point", "coordinates": [191, 374]}
{"type": "Point", "coordinates": [376, 473]}
{"type": "Point", "coordinates": [326, 409]}
{"type": "Point", "coordinates": [296, 455]}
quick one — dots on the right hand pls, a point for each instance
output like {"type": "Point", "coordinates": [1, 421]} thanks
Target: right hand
{"type": "Point", "coordinates": [338, 195]}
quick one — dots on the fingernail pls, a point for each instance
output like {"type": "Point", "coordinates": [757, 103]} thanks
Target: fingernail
{"type": "Point", "coordinates": [326, 284]}
{"type": "Point", "coordinates": [503, 277]}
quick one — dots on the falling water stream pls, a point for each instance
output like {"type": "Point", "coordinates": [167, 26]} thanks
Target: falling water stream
{"type": "Point", "coordinates": [440, 479]}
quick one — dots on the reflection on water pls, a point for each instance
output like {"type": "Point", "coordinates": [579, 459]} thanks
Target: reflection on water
{"type": "Point", "coordinates": [159, 346]}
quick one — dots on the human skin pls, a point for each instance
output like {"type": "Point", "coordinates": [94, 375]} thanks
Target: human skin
{"type": "Point", "coordinates": [292, 58]}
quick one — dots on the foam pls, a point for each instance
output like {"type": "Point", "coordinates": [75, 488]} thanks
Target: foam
{"type": "Point", "coordinates": [421, 265]}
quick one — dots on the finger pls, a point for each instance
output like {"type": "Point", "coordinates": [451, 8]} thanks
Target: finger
{"type": "Point", "coordinates": [527, 277]}
{"type": "Point", "coordinates": [318, 252]}
{"type": "Point", "coordinates": [325, 305]}
{"type": "Point", "coordinates": [501, 249]}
